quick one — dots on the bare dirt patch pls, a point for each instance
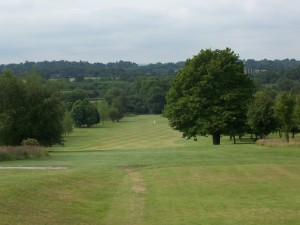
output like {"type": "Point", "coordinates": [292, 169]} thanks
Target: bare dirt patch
{"type": "Point", "coordinates": [133, 166]}
{"type": "Point", "coordinates": [138, 184]}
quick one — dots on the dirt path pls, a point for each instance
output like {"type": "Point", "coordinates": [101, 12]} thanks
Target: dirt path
{"type": "Point", "coordinates": [128, 201]}
{"type": "Point", "coordinates": [33, 167]}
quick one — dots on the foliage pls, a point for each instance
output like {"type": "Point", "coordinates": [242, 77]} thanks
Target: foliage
{"type": "Point", "coordinates": [284, 111]}
{"type": "Point", "coordinates": [29, 108]}
{"type": "Point", "coordinates": [84, 114]}
{"type": "Point", "coordinates": [65, 69]}
{"type": "Point", "coordinates": [297, 111]}
{"type": "Point", "coordinates": [209, 95]}
{"type": "Point", "coordinates": [115, 114]}
{"type": "Point", "coordinates": [68, 123]}
{"type": "Point", "coordinates": [71, 97]}
{"type": "Point", "coordinates": [30, 142]}
{"type": "Point", "coordinates": [103, 110]}
{"type": "Point", "coordinates": [260, 115]}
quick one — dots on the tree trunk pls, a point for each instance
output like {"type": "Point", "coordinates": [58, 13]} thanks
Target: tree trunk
{"type": "Point", "coordinates": [280, 134]}
{"type": "Point", "coordinates": [287, 137]}
{"type": "Point", "coordinates": [216, 138]}
{"type": "Point", "coordinates": [234, 140]}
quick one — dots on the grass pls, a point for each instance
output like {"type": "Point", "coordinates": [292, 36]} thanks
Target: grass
{"type": "Point", "coordinates": [134, 172]}
{"type": "Point", "coordinates": [22, 152]}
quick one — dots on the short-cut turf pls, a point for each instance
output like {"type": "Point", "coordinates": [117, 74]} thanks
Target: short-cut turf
{"type": "Point", "coordinates": [134, 172]}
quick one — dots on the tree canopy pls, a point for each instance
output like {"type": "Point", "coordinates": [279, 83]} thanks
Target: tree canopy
{"type": "Point", "coordinates": [29, 109]}
{"type": "Point", "coordinates": [261, 118]}
{"type": "Point", "coordinates": [84, 114]}
{"type": "Point", "coordinates": [209, 96]}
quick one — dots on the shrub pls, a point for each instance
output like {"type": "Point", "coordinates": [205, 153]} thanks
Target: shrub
{"type": "Point", "coordinates": [30, 142]}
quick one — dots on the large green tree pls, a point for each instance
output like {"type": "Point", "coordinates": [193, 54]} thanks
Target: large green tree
{"type": "Point", "coordinates": [29, 109]}
{"type": "Point", "coordinates": [209, 96]}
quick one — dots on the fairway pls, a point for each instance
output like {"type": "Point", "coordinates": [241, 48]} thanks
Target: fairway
{"type": "Point", "coordinates": [137, 173]}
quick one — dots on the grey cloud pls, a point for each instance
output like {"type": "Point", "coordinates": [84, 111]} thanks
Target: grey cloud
{"type": "Point", "coordinates": [146, 31]}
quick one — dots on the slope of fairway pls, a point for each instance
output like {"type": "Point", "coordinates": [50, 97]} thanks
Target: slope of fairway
{"type": "Point", "coordinates": [130, 133]}
{"type": "Point", "coordinates": [144, 174]}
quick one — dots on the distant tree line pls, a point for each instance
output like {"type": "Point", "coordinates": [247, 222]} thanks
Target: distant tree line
{"type": "Point", "coordinates": [65, 69]}
{"type": "Point", "coordinates": [144, 94]}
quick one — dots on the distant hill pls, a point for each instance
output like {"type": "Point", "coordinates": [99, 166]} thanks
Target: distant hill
{"type": "Point", "coordinates": [263, 71]}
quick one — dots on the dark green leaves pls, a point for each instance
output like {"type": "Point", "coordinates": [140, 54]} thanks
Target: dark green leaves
{"type": "Point", "coordinates": [209, 95]}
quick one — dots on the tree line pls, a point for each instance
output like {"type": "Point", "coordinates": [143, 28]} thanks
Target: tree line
{"type": "Point", "coordinates": [210, 94]}
{"type": "Point", "coordinates": [65, 69]}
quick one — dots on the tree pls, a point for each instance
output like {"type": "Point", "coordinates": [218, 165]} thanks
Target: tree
{"type": "Point", "coordinates": [156, 100]}
{"type": "Point", "coordinates": [68, 123]}
{"type": "Point", "coordinates": [261, 118]}
{"type": "Point", "coordinates": [84, 114]}
{"type": "Point", "coordinates": [284, 112]}
{"type": "Point", "coordinates": [115, 115]}
{"type": "Point", "coordinates": [103, 110]}
{"type": "Point", "coordinates": [29, 109]}
{"type": "Point", "coordinates": [209, 96]}
{"type": "Point", "coordinates": [12, 104]}
{"type": "Point", "coordinates": [297, 111]}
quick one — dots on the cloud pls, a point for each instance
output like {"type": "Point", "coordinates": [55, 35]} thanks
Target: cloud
{"type": "Point", "coordinates": [146, 31]}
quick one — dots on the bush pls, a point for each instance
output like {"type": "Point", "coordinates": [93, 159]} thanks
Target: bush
{"type": "Point", "coordinates": [30, 142]}
{"type": "Point", "coordinates": [22, 152]}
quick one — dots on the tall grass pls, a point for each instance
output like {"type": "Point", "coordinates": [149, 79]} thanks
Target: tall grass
{"type": "Point", "coordinates": [278, 143]}
{"type": "Point", "coordinates": [22, 152]}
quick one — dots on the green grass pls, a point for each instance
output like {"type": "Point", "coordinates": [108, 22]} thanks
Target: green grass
{"type": "Point", "coordinates": [135, 173]}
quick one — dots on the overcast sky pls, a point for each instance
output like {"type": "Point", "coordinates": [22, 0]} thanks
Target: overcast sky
{"type": "Point", "coordinates": [146, 31]}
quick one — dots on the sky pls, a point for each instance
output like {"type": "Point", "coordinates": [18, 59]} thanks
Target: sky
{"type": "Point", "coordinates": [146, 31]}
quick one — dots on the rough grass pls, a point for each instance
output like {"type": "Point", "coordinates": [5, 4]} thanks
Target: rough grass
{"type": "Point", "coordinates": [22, 152]}
{"type": "Point", "coordinates": [181, 182]}
{"type": "Point", "coordinates": [278, 143]}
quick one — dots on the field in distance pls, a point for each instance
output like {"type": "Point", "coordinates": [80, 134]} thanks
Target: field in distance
{"type": "Point", "coordinates": [137, 173]}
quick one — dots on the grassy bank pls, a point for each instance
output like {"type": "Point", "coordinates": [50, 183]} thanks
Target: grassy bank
{"type": "Point", "coordinates": [134, 172]}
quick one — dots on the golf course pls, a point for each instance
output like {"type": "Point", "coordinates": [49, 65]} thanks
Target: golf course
{"type": "Point", "coordinates": [137, 172]}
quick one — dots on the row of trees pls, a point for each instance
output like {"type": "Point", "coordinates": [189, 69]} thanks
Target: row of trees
{"type": "Point", "coordinates": [212, 95]}
{"type": "Point", "coordinates": [266, 115]}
